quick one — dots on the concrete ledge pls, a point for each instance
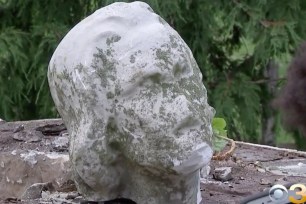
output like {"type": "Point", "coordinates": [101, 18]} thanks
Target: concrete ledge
{"type": "Point", "coordinates": [24, 163]}
{"type": "Point", "coordinates": [21, 169]}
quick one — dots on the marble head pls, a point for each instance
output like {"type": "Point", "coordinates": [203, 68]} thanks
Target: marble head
{"type": "Point", "coordinates": [131, 95]}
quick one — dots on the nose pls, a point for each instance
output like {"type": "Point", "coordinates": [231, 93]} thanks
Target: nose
{"type": "Point", "coordinates": [189, 122]}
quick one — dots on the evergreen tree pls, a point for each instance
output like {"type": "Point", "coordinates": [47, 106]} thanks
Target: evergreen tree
{"type": "Point", "coordinates": [233, 41]}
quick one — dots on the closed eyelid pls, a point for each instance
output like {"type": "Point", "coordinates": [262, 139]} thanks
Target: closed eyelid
{"type": "Point", "coordinates": [155, 78]}
{"type": "Point", "coordinates": [187, 124]}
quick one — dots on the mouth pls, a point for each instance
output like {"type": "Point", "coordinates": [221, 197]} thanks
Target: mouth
{"type": "Point", "coordinates": [199, 158]}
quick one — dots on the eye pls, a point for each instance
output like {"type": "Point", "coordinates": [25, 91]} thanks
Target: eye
{"type": "Point", "coordinates": [186, 124]}
{"type": "Point", "coordinates": [154, 78]}
{"type": "Point", "coordinates": [146, 81]}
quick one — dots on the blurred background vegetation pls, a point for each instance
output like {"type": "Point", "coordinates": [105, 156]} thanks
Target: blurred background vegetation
{"type": "Point", "coordinates": [242, 47]}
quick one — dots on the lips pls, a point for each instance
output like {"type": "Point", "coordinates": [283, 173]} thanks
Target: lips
{"type": "Point", "coordinates": [199, 158]}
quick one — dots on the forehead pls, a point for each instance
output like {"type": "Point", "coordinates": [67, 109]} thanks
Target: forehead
{"type": "Point", "coordinates": [140, 47]}
{"type": "Point", "coordinates": [172, 60]}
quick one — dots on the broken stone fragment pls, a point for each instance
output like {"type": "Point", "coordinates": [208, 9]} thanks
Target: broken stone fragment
{"type": "Point", "coordinates": [28, 136]}
{"type": "Point", "coordinates": [60, 144]}
{"type": "Point", "coordinates": [223, 173]}
{"type": "Point", "coordinates": [265, 182]}
{"type": "Point", "coordinates": [131, 95]}
{"type": "Point", "coordinates": [34, 191]}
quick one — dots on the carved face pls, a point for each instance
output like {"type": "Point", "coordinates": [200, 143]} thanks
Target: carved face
{"type": "Point", "coordinates": [131, 95]}
{"type": "Point", "coordinates": [162, 110]}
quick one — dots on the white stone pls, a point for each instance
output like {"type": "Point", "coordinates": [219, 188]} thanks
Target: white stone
{"type": "Point", "coordinates": [14, 152]}
{"type": "Point", "coordinates": [30, 157]}
{"type": "Point", "coordinates": [19, 181]}
{"type": "Point", "coordinates": [60, 143]}
{"type": "Point", "coordinates": [132, 98]}
{"type": "Point", "coordinates": [223, 173]}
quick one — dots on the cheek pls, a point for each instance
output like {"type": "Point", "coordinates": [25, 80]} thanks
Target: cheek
{"type": "Point", "coordinates": [155, 111]}
{"type": "Point", "coordinates": [150, 115]}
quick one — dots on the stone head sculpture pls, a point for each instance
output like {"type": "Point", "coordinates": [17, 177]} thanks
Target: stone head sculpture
{"type": "Point", "coordinates": [132, 98]}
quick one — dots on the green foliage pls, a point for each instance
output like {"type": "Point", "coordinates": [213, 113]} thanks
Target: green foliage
{"type": "Point", "coordinates": [219, 133]}
{"type": "Point", "coordinates": [240, 103]}
{"type": "Point", "coordinates": [219, 125]}
{"type": "Point", "coordinates": [231, 40]}
{"type": "Point", "coordinates": [30, 32]}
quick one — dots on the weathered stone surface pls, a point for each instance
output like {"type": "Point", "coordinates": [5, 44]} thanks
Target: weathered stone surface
{"type": "Point", "coordinates": [28, 136]}
{"type": "Point", "coordinates": [21, 169]}
{"type": "Point", "coordinates": [132, 98]}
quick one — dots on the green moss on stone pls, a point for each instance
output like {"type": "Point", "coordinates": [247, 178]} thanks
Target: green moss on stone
{"type": "Point", "coordinates": [110, 95]}
{"type": "Point", "coordinates": [132, 59]}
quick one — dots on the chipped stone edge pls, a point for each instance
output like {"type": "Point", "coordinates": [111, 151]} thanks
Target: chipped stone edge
{"type": "Point", "coordinates": [273, 148]}
{"type": "Point", "coordinates": [47, 120]}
